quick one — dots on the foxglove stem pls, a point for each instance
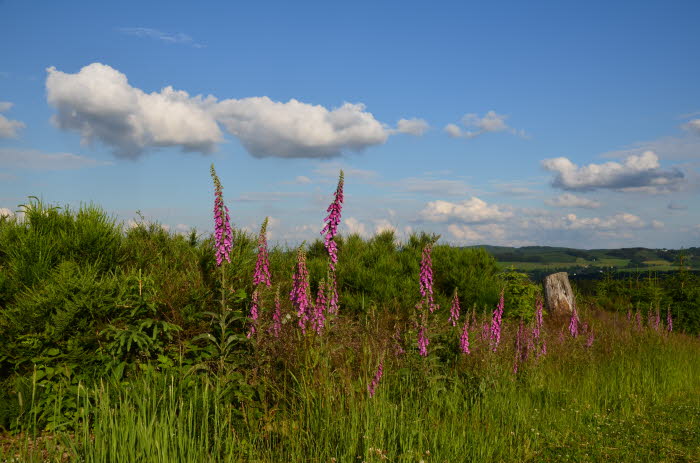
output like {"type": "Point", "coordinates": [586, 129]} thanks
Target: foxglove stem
{"type": "Point", "coordinates": [573, 323]}
{"type": "Point", "coordinates": [426, 279]}
{"type": "Point", "coordinates": [276, 327]}
{"type": "Point", "coordinates": [300, 294]}
{"type": "Point", "coordinates": [262, 265]}
{"type": "Point", "coordinates": [464, 338]}
{"type": "Point", "coordinates": [496, 322]}
{"type": "Point", "coordinates": [254, 313]}
{"type": "Point", "coordinates": [454, 309]}
{"type": "Point", "coordinates": [669, 320]}
{"type": "Point", "coordinates": [319, 319]}
{"type": "Point", "coordinates": [372, 386]}
{"type": "Point", "coordinates": [332, 220]}
{"type": "Point", "coordinates": [539, 321]}
{"type": "Point", "coordinates": [223, 236]}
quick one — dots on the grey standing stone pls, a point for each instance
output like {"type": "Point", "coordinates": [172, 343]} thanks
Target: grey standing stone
{"type": "Point", "coordinates": [558, 295]}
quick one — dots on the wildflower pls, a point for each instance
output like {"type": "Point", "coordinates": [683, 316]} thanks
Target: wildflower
{"type": "Point", "coordinates": [638, 319]}
{"type": "Point", "coordinates": [372, 386]}
{"type": "Point", "coordinates": [333, 304]}
{"type": "Point", "coordinates": [484, 331]}
{"type": "Point", "coordinates": [573, 323]}
{"type": "Point", "coordinates": [319, 319]}
{"type": "Point", "coordinates": [426, 279]}
{"type": "Point", "coordinates": [332, 221]}
{"type": "Point", "coordinates": [464, 338]}
{"type": "Point", "coordinates": [276, 327]}
{"type": "Point", "coordinates": [539, 321]}
{"type": "Point", "coordinates": [496, 322]}
{"type": "Point", "coordinates": [262, 265]}
{"type": "Point", "coordinates": [423, 341]}
{"type": "Point", "coordinates": [669, 320]}
{"type": "Point", "coordinates": [300, 290]}
{"type": "Point", "coordinates": [222, 223]}
{"type": "Point", "coordinates": [253, 313]}
{"type": "Point", "coordinates": [543, 349]}
{"type": "Point", "coordinates": [589, 341]}
{"type": "Point", "coordinates": [454, 310]}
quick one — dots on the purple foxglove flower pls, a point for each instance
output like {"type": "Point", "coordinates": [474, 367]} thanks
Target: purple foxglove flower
{"type": "Point", "coordinates": [300, 294]}
{"type": "Point", "coordinates": [539, 321]}
{"type": "Point", "coordinates": [669, 320]}
{"type": "Point", "coordinates": [223, 236]}
{"type": "Point", "coordinates": [276, 327]}
{"type": "Point", "coordinates": [454, 309]}
{"type": "Point", "coordinates": [496, 322]}
{"type": "Point", "coordinates": [330, 229]}
{"type": "Point", "coordinates": [573, 323]}
{"type": "Point", "coordinates": [333, 304]}
{"type": "Point", "coordinates": [262, 265]}
{"type": "Point", "coordinates": [423, 341]}
{"type": "Point", "coordinates": [253, 313]}
{"type": "Point", "coordinates": [426, 279]}
{"type": "Point", "coordinates": [372, 386]}
{"type": "Point", "coordinates": [589, 341]}
{"type": "Point", "coordinates": [319, 319]}
{"type": "Point", "coordinates": [464, 338]}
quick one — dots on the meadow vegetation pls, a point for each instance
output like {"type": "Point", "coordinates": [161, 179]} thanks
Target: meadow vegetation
{"type": "Point", "coordinates": [136, 344]}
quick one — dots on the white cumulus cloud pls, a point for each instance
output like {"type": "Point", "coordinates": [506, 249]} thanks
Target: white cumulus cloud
{"type": "Point", "coordinates": [469, 211]}
{"type": "Point", "coordinates": [99, 103]}
{"type": "Point", "coordinates": [294, 129]}
{"type": "Point", "coordinates": [635, 173]}
{"type": "Point", "coordinates": [8, 128]}
{"type": "Point", "coordinates": [416, 127]}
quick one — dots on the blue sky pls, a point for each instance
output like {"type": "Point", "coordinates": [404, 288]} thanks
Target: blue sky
{"type": "Point", "coordinates": [508, 123]}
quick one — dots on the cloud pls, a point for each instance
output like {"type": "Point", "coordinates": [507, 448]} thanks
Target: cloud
{"type": "Point", "coordinates": [570, 200]}
{"type": "Point", "coordinates": [623, 220]}
{"type": "Point", "coordinates": [302, 180]}
{"type": "Point", "coordinates": [5, 212]}
{"type": "Point", "coordinates": [8, 128]}
{"type": "Point", "coordinates": [669, 147]}
{"type": "Point", "coordinates": [475, 126]}
{"type": "Point", "coordinates": [692, 126]}
{"type": "Point", "coordinates": [432, 186]}
{"type": "Point", "coordinates": [674, 206]}
{"type": "Point", "coordinates": [416, 127]}
{"type": "Point", "coordinates": [294, 129]}
{"type": "Point", "coordinates": [175, 38]}
{"type": "Point", "coordinates": [470, 211]}
{"type": "Point", "coordinates": [636, 173]}
{"type": "Point", "coordinates": [354, 226]}
{"type": "Point", "coordinates": [99, 103]}
{"type": "Point", "coordinates": [34, 159]}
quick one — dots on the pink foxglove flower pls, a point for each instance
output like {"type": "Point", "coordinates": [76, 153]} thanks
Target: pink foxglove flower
{"type": "Point", "coordinates": [423, 341]}
{"type": "Point", "coordinates": [223, 236]}
{"type": "Point", "coordinates": [262, 265]}
{"type": "Point", "coordinates": [464, 338]}
{"type": "Point", "coordinates": [276, 327]}
{"type": "Point", "coordinates": [496, 322]}
{"type": "Point", "coordinates": [589, 341]}
{"type": "Point", "coordinates": [300, 295]}
{"type": "Point", "coordinates": [573, 323]}
{"type": "Point", "coordinates": [669, 320]}
{"type": "Point", "coordinates": [454, 309]}
{"type": "Point", "coordinates": [372, 386]}
{"type": "Point", "coordinates": [330, 229]}
{"type": "Point", "coordinates": [539, 321]}
{"type": "Point", "coordinates": [426, 279]}
{"type": "Point", "coordinates": [254, 313]}
{"type": "Point", "coordinates": [319, 318]}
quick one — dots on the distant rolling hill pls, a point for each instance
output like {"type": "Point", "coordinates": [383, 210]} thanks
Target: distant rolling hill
{"type": "Point", "coordinates": [537, 260]}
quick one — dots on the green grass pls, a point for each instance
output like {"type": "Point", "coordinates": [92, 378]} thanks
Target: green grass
{"type": "Point", "coordinates": [632, 397]}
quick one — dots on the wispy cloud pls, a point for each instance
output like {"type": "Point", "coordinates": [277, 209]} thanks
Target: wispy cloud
{"type": "Point", "coordinates": [167, 37]}
{"type": "Point", "coordinates": [474, 126]}
{"type": "Point", "coordinates": [8, 128]}
{"type": "Point", "coordinates": [34, 159]}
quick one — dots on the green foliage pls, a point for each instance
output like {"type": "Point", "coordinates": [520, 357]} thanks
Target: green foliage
{"type": "Point", "coordinates": [519, 294]}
